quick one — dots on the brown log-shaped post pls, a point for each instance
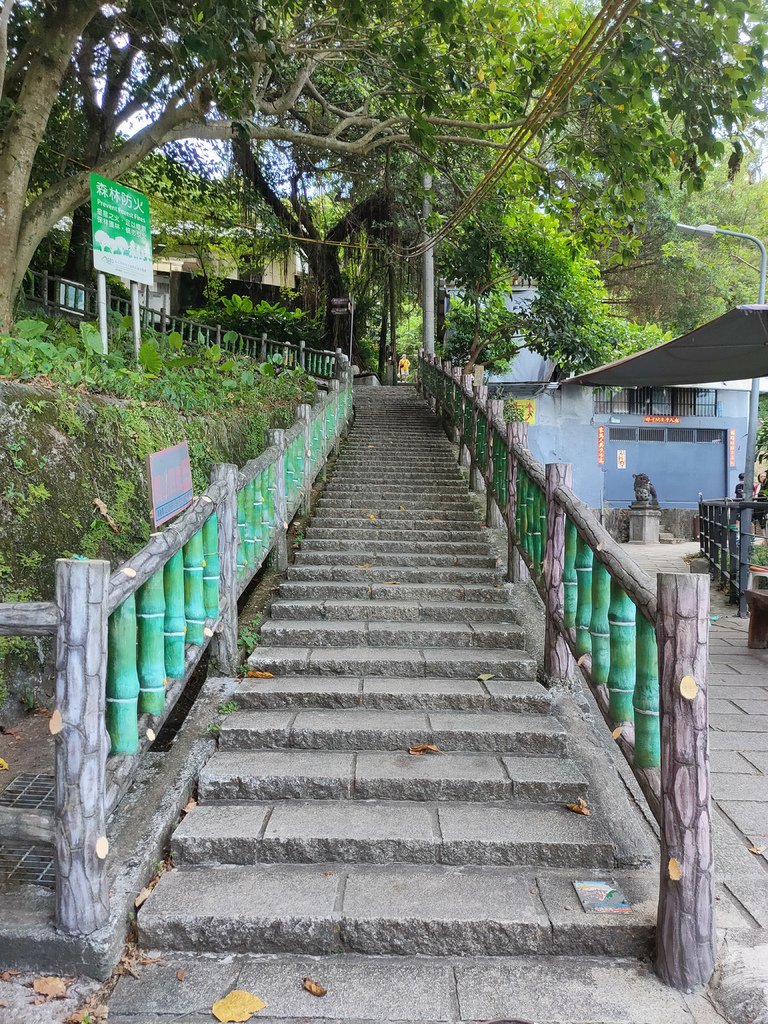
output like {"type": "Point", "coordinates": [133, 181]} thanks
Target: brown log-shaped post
{"type": "Point", "coordinates": [280, 550]}
{"type": "Point", "coordinates": [517, 434]}
{"type": "Point", "coordinates": [81, 745]}
{"type": "Point", "coordinates": [558, 663]}
{"type": "Point", "coordinates": [225, 654]}
{"type": "Point", "coordinates": [304, 413]}
{"type": "Point", "coordinates": [685, 929]}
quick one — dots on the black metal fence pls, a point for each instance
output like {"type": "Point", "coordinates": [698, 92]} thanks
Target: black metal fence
{"type": "Point", "coordinates": [726, 538]}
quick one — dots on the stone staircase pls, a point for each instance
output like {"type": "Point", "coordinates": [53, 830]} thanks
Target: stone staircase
{"type": "Point", "coordinates": [317, 832]}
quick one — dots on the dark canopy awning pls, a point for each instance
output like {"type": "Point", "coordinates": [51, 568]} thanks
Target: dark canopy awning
{"type": "Point", "coordinates": [732, 347]}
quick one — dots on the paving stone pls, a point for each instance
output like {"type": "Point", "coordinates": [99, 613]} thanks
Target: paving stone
{"type": "Point", "coordinates": [518, 695]}
{"type": "Point", "coordinates": [276, 774]}
{"type": "Point", "coordinates": [360, 729]}
{"type": "Point", "coordinates": [299, 691]}
{"type": "Point", "coordinates": [752, 894]}
{"type": "Point", "coordinates": [743, 723]}
{"type": "Point", "coordinates": [757, 758]}
{"type": "Point", "coordinates": [504, 732]}
{"type": "Point", "coordinates": [272, 728]}
{"type": "Point", "coordinates": [462, 694]}
{"type": "Point", "coordinates": [513, 664]}
{"type": "Point", "coordinates": [738, 741]}
{"type": "Point", "coordinates": [546, 779]}
{"type": "Point", "coordinates": [730, 761]}
{"type": "Point", "coordinates": [447, 776]}
{"type": "Point", "coordinates": [157, 989]}
{"type": "Point", "coordinates": [737, 787]}
{"type": "Point", "coordinates": [219, 834]}
{"type": "Point", "coordinates": [750, 817]}
{"type": "Point", "coordinates": [752, 706]}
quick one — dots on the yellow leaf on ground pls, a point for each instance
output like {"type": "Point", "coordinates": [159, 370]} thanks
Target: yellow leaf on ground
{"type": "Point", "coordinates": [580, 807]}
{"type": "Point", "coordinates": [674, 870]}
{"type": "Point", "coordinates": [314, 987]}
{"type": "Point", "coordinates": [392, 583]}
{"type": "Point", "coordinates": [142, 898]}
{"type": "Point", "coordinates": [258, 675]}
{"type": "Point", "coordinates": [180, 974]}
{"type": "Point", "coordinates": [424, 748]}
{"type": "Point", "coordinates": [757, 849]}
{"type": "Point", "coordinates": [485, 676]}
{"type": "Point", "coordinates": [364, 565]}
{"type": "Point", "coordinates": [238, 1005]}
{"type": "Point", "coordinates": [373, 517]}
{"type": "Point", "coordinates": [617, 732]}
{"type": "Point", "coordinates": [3, 765]}
{"type": "Point", "coordinates": [51, 987]}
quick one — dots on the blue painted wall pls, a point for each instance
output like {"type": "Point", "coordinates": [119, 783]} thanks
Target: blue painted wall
{"type": "Point", "coordinates": [566, 431]}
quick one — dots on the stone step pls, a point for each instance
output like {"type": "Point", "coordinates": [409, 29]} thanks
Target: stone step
{"type": "Point", "coordinates": [409, 989]}
{"type": "Point", "coordinates": [362, 633]}
{"type": "Point", "coordinates": [363, 729]}
{"type": "Point", "coordinates": [385, 775]}
{"type": "Point", "coordinates": [422, 593]}
{"type": "Point", "coordinates": [402, 559]}
{"type": "Point", "coordinates": [432, 694]}
{"type": "Point", "coordinates": [376, 533]}
{"type": "Point", "coordinates": [402, 909]}
{"type": "Point", "coordinates": [393, 518]}
{"type": "Point", "coordinates": [387, 831]}
{"type": "Point", "coordinates": [476, 546]}
{"type": "Point", "coordinates": [396, 574]}
{"type": "Point", "coordinates": [392, 611]}
{"type": "Point", "coordinates": [407, 662]}
{"type": "Point", "coordinates": [449, 489]}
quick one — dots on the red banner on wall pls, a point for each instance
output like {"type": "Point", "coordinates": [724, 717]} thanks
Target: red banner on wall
{"type": "Point", "coordinates": [601, 446]}
{"type": "Point", "coordinates": [661, 419]}
{"type": "Point", "coordinates": [731, 448]}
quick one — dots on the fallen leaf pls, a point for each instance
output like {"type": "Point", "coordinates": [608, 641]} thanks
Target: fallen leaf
{"type": "Point", "coordinates": [365, 565]}
{"type": "Point", "coordinates": [314, 987]}
{"type": "Point", "coordinates": [674, 870]}
{"type": "Point", "coordinates": [485, 676]}
{"type": "Point", "coordinates": [392, 583]}
{"type": "Point", "coordinates": [102, 508]}
{"type": "Point", "coordinates": [3, 765]}
{"type": "Point", "coordinates": [238, 1005]}
{"type": "Point", "coordinates": [757, 849]}
{"type": "Point", "coordinates": [258, 675]}
{"type": "Point", "coordinates": [7, 975]}
{"type": "Point", "coordinates": [401, 507]}
{"type": "Point", "coordinates": [39, 1000]}
{"type": "Point", "coordinates": [423, 748]}
{"type": "Point", "coordinates": [580, 807]}
{"type": "Point", "coordinates": [11, 732]}
{"type": "Point", "coordinates": [617, 732]}
{"type": "Point", "coordinates": [141, 899]}
{"type": "Point", "coordinates": [50, 986]}
{"type": "Point", "coordinates": [327, 874]}
{"type": "Point", "coordinates": [372, 517]}
{"type": "Point", "coordinates": [190, 806]}
{"type": "Point", "coordinates": [180, 975]}
{"type": "Point", "coordinates": [3, 1003]}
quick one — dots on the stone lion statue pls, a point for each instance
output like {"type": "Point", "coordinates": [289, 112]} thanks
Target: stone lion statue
{"type": "Point", "coordinates": [644, 489]}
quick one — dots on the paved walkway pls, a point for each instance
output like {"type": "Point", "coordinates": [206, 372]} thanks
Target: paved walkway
{"type": "Point", "coordinates": [738, 708]}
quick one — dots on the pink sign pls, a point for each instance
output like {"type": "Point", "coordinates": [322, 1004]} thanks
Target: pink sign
{"type": "Point", "coordinates": [170, 482]}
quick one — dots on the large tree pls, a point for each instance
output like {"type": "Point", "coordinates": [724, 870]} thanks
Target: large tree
{"type": "Point", "coordinates": [348, 79]}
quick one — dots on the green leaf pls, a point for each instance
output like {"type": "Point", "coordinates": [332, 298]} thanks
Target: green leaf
{"type": "Point", "coordinates": [150, 359]}
{"type": "Point", "coordinates": [175, 341]}
{"type": "Point", "coordinates": [30, 328]}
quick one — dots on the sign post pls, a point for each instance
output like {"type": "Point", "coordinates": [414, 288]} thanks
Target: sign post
{"type": "Point", "coordinates": [122, 242]}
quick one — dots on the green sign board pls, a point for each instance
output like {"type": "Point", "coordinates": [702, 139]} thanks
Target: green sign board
{"type": "Point", "coordinates": [122, 237]}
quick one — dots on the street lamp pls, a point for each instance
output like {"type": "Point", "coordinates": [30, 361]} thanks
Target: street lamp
{"type": "Point", "coordinates": [754, 394]}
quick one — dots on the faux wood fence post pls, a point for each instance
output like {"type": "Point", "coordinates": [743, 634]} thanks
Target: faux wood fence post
{"type": "Point", "coordinates": [81, 745]}
{"type": "Point", "coordinates": [304, 412]}
{"type": "Point", "coordinates": [225, 642]}
{"type": "Point", "coordinates": [517, 433]}
{"type": "Point", "coordinates": [558, 663]}
{"type": "Point", "coordinates": [263, 348]}
{"type": "Point", "coordinates": [685, 929]}
{"type": "Point", "coordinates": [280, 550]}
{"type": "Point", "coordinates": [494, 409]}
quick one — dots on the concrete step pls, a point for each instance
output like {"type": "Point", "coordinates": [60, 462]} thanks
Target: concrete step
{"type": "Point", "coordinates": [395, 518]}
{"type": "Point", "coordinates": [399, 546]}
{"type": "Point", "coordinates": [375, 532]}
{"type": "Point", "coordinates": [385, 775]}
{"type": "Point", "coordinates": [433, 694]}
{"type": "Point", "coordinates": [407, 662]}
{"type": "Point", "coordinates": [391, 611]}
{"type": "Point", "coordinates": [385, 831]}
{"type": "Point", "coordinates": [405, 559]}
{"type": "Point", "coordinates": [351, 633]}
{"type": "Point", "coordinates": [409, 989]}
{"type": "Point", "coordinates": [362, 729]}
{"type": "Point", "coordinates": [397, 574]}
{"type": "Point", "coordinates": [402, 909]}
{"type": "Point", "coordinates": [422, 593]}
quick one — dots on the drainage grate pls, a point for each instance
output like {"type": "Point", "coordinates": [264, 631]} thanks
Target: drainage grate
{"type": "Point", "coordinates": [20, 862]}
{"type": "Point", "coordinates": [31, 864]}
{"type": "Point", "coordinates": [31, 791]}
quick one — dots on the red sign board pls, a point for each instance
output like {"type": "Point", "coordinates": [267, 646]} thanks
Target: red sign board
{"type": "Point", "coordinates": [732, 449]}
{"type": "Point", "coordinates": [661, 419]}
{"type": "Point", "coordinates": [601, 446]}
{"type": "Point", "coordinates": [169, 474]}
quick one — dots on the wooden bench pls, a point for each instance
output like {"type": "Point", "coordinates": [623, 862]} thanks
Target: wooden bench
{"type": "Point", "coordinates": [757, 602]}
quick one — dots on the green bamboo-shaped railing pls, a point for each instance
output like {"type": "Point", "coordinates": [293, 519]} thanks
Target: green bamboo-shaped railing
{"type": "Point", "coordinates": [621, 679]}
{"type": "Point", "coordinates": [211, 578]}
{"type": "Point", "coordinates": [600, 641]}
{"type": "Point", "coordinates": [122, 686]}
{"type": "Point", "coordinates": [646, 697]}
{"type": "Point", "coordinates": [150, 624]}
{"type": "Point", "coordinates": [241, 559]}
{"type": "Point", "coordinates": [570, 584]}
{"type": "Point", "coordinates": [194, 606]}
{"type": "Point", "coordinates": [249, 532]}
{"type": "Point", "coordinates": [583, 566]}
{"type": "Point", "coordinates": [175, 626]}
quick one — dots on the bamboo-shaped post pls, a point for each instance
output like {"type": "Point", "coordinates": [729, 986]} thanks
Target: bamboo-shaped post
{"type": "Point", "coordinates": [534, 500]}
{"type": "Point", "coordinates": [81, 745]}
{"type": "Point", "coordinates": [465, 455]}
{"type": "Point", "coordinates": [267, 509]}
{"type": "Point", "coordinates": [194, 606]}
{"type": "Point", "coordinates": [322, 474]}
{"type": "Point", "coordinates": [335, 394]}
{"type": "Point", "coordinates": [599, 628]}
{"type": "Point", "coordinates": [685, 931]}
{"type": "Point", "coordinates": [280, 548]}
{"type": "Point", "coordinates": [584, 598]}
{"type": "Point", "coordinates": [476, 477]}
{"type": "Point", "coordinates": [150, 615]}
{"type": "Point", "coordinates": [225, 642]}
{"type": "Point", "coordinates": [241, 533]}
{"type": "Point", "coordinates": [621, 678]}
{"type": "Point", "coordinates": [457, 409]}
{"type": "Point", "coordinates": [517, 434]}
{"type": "Point", "coordinates": [646, 697]}
{"type": "Point", "coordinates": [211, 567]}
{"type": "Point", "coordinates": [249, 537]}
{"type": "Point", "coordinates": [259, 542]}
{"type": "Point", "coordinates": [122, 679]}
{"type": "Point", "coordinates": [175, 626]}
{"type": "Point", "coordinates": [558, 664]}
{"type": "Point", "coordinates": [493, 517]}
{"type": "Point", "coordinates": [304, 412]}
{"type": "Point", "coordinates": [570, 586]}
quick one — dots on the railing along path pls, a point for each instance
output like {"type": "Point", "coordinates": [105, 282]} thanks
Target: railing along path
{"type": "Point", "coordinates": [641, 645]}
{"type": "Point", "coordinates": [128, 640]}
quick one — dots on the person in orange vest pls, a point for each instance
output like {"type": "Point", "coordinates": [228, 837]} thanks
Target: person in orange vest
{"type": "Point", "coordinates": [403, 367]}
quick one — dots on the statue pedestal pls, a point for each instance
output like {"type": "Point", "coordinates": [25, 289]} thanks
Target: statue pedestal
{"type": "Point", "coordinates": [644, 522]}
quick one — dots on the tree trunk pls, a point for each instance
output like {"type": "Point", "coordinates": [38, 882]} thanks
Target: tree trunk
{"type": "Point", "coordinates": [79, 263]}
{"type": "Point", "coordinates": [383, 335]}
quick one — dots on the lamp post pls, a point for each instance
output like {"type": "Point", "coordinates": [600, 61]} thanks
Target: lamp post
{"type": "Point", "coordinates": [754, 395]}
